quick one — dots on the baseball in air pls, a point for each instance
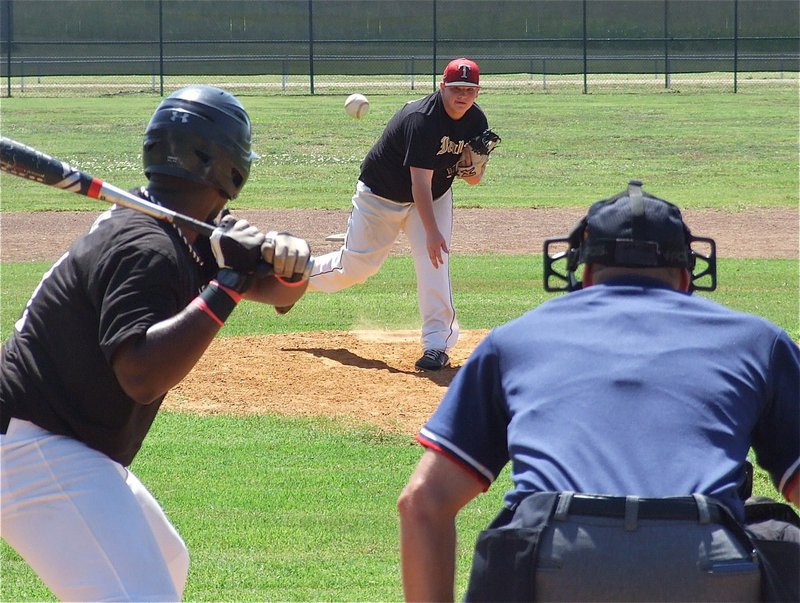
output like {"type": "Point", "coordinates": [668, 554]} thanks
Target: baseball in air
{"type": "Point", "coordinates": [356, 105]}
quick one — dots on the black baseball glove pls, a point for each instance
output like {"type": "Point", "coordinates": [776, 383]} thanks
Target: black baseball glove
{"type": "Point", "coordinates": [476, 154]}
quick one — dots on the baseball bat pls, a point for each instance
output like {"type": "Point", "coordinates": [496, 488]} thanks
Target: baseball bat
{"type": "Point", "coordinates": [26, 162]}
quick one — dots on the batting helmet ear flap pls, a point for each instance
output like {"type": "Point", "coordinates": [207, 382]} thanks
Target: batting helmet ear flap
{"type": "Point", "coordinates": [564, 249]}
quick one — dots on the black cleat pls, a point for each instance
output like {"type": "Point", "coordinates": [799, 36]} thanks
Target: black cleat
{"type": "Point", "coordinates": [433, 360]}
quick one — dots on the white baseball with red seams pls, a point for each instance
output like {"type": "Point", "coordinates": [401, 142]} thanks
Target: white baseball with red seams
{"type": "Point", "coordinates": [356, 105]}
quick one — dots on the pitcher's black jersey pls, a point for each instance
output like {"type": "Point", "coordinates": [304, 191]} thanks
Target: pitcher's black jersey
{"type": "Point", "coordinates": [421, 134]}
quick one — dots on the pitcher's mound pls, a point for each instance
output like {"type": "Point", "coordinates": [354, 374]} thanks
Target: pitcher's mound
{"type": "Point", "coordinates": [364, 376]}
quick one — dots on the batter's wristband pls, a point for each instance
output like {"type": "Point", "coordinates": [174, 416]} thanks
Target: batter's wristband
{"type": "Point", "coordinates": [289, 283]}
{"type": "Point", "coordinates": [217, 301]}
{"type": "Point", "coordinates": [234, 295]}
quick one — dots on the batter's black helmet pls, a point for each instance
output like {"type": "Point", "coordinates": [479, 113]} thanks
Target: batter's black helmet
{"type": "Point", "coordinates": [200, 133]}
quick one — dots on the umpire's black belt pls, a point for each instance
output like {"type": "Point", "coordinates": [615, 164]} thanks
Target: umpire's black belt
{"type": "Point", "coordinates": [676, 507]}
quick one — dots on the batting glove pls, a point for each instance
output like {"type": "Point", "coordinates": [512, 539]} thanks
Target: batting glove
{"type": "Point", "coordinates": [236, 245]}
{"type": "Point", "coordinates": [289, 256]}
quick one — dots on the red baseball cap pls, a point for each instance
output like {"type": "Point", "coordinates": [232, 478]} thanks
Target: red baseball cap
{"type": "Point", "coordinates": [461, 72]}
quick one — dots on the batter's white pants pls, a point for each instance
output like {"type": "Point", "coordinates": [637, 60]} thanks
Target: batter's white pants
{"type": "Point", "coordinates": [84, 523]}
{"type": "Point", "coordinates": [374, 225]}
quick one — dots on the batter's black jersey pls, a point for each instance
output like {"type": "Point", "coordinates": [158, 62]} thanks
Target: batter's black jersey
{"type": "Point", "coordinates": [129, 272]}
{"type": "Point", "coordinates": [423, 135]}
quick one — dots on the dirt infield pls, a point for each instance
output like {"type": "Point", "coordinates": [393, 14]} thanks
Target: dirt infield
{"type": "Point", "coordinates": [765, 233]}
{"type": "Point", "coordinates": [369, 376]}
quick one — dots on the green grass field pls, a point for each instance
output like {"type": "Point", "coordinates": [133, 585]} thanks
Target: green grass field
{"type": "Point", "coordinates": [703, 150]}
{"type": "Point", "coordinates": [277, 509]}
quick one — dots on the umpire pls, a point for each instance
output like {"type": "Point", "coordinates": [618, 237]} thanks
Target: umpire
{"type": "Point", "coordinates": [120, 319]}
{"type": "Point", "coordinates": [627, 410]}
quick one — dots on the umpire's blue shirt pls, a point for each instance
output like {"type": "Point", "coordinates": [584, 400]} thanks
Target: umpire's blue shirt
{"type": "Point", "coordinates": [625, 388]}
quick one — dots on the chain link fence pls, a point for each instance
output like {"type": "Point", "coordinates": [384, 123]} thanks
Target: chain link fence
{"type": "Point", "coordinates": [108, 47]}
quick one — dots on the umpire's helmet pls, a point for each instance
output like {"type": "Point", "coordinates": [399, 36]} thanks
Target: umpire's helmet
{"type": "Point", "coordinates": [200, 133]}
{"type": "Point", "coordinates": [632, 229]}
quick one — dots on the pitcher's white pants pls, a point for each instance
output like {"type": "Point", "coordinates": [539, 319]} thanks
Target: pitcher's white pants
{"type": "Point", "coordinates": [374, 225]}
{"type": "Point", "coordinates": [84, 523]}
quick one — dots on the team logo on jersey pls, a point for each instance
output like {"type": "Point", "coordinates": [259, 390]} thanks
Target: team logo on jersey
{"type": "Point", "coordinates": [449, 146]}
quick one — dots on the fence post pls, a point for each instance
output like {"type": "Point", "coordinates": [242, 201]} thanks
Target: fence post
{"type": "Point", "coordinates": [666, 43]}
{"type": "Point", "coordinates": [585, 56]}
{"type": "Point", "coordinates": [311, 44]}
{"type": "Point", "coordinates": [544, 74]}
{"type": "Point", "coordinates": [433, 70]}
{"type": "Point", "coordinates": [161, 47]}
{"type": "Point", "coordinates": [9, 31]}
{"type": "Point", "coordinates": [735, 45]}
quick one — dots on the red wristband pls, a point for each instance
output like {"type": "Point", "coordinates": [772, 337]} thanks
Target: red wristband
{"type": "Point", "coordinates": [217, 301]}
{"type": "Point", "coordinates": [200, 303]}
{"type": "Point", "coordinates": [287, 283]}
{"type": "Point", "coordinates": [234, 295]}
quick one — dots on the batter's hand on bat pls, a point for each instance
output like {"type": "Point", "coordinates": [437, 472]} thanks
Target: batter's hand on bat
{"type": "Point", "coordinates": [436, 246]}
{"type": "Point", "coordinates": [289, 256]}
{"type": "Point", "coordinates": [236, 245]}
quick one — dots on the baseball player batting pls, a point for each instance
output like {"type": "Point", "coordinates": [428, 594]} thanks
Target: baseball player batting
{"type": "Point", "coordinates": [121, 318]}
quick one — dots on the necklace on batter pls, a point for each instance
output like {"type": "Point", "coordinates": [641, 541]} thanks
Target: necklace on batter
{"type": "Point", "coordinates": [198, 260]}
